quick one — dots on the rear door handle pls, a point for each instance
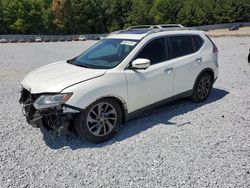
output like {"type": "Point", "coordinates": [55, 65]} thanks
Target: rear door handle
{"type": "Point", "coordinates": [198, 60]}
{"type": "Point", "coordinates": [169, 70]}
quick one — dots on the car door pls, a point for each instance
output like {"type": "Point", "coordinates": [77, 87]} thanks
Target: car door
{"type": "Point", "coordinates": [154, 84]}
{"type": "Point", "coordinates": [186, 62]}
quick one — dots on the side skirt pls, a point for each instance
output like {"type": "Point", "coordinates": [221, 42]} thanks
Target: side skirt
{"type": "Point", "coordinates": [136, 113]}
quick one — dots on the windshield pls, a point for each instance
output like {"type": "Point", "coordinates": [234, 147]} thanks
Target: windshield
{"type": "Point", "coordinates": [106, 54]}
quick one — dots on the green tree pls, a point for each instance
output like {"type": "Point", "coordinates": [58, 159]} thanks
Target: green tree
{"type": "Point", "coordinates": [33, 16]}
{"type": "Point", "coordinates": [165, 11]}
{"type": "Point", "coordinates": [224, 11]}
{"type": "Point", "coordinates": [47, 17]}
{"type": "Point", "coordinates": [115, 13]}
{"type": "Point", "coordinates": [14, 14]}
{"type": "Point", "coordinates": [2, 24]}
{"type": "Point", "coordinates": [241, 10]}
{"type": "Point", "coordinates": [139, 14]}
{"type": "Point", "coordinates": [95, 16]}
{"type": "Point", "coordinates": [23, 16]}
{"type": "Point", "coordinates": [85, 17]}
{"type": "Point", "coordinates": [191, 13]}
{"type": "Point", "coordinates": [208, 7]}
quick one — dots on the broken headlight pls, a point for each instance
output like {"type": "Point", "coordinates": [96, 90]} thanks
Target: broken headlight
{"type": "Point", "coordinates": [51, 101]}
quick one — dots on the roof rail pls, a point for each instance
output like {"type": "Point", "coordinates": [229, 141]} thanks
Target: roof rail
{"type": "Point", "coordinates": [153, 28]}
{"type": "Point", "coordinates": [143, 27]}
{"type": "Point", "coordinates": [170, 25]}
{"type": "Point", "coordinates": [166, 29]}
{"type": "Point", "coordinates": [161, 26]}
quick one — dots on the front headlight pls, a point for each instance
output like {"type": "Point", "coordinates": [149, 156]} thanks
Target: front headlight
{"type": "Point", "coordinates": [50, 101]}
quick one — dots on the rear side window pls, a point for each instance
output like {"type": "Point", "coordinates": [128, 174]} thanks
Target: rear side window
{"type": "Point", "coordinates": [181, 45]}
{"type": "Point", "coordinates": [155, 51]}
{"type": "Point", "coordinates": [184, 45]}
{"type": "Point", "coordinates": [197, 42]}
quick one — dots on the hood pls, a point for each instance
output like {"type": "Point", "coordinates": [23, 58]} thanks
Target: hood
{"type": "Point", "coordinates": [55, 77]}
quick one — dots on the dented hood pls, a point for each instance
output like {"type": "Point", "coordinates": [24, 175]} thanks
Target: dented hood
{"type": "Point", "coordinates": [55, 77]}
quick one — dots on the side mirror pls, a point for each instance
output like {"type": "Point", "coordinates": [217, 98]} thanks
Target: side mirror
{"type": "Point", "coordinates": [140, 63]}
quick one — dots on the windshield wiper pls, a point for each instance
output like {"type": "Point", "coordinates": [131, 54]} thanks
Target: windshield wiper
{"type": "Point", "coordinates": [71, 61]}
{"type": "Point", "coordinates": [85, 66]}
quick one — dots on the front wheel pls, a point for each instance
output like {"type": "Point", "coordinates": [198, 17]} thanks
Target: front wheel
{"type": "Point", "coordinates": [202, 88]}
{"type": "Point", "coordinates": [100, 121]}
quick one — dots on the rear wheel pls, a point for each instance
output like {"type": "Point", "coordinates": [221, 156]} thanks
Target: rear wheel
{"type": "Point", "coordinates": [100, 121]}
{"type": "Point", "coordinates": [202, 88]}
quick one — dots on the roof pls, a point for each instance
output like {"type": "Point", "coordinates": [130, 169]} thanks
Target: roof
{"type": "Point", "coordinates": [139, 32]}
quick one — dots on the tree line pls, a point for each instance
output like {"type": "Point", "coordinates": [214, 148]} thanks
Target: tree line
{"type": "Point", "coordinates": [102, 16]}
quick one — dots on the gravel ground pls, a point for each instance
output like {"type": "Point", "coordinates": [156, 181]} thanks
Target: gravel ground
{"type": "Point", "coordinates": [180, 145]}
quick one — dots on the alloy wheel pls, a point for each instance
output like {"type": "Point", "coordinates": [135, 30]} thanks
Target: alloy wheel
{"type": "Point", "coordinates": [101, 119]}
{"type": "Point", "coordinates": [204, 87]}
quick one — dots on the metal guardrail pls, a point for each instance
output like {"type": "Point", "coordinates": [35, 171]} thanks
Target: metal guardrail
{"type": "Point", "coordinates": [49, 38]}
{"type": "Point", "coordinates": [220, 26]}
{"type": "Point", "coordinates": [31, 38]}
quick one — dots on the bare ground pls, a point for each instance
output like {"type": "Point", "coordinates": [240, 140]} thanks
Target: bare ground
{"type": "Point", "coordinates": [242, 32]}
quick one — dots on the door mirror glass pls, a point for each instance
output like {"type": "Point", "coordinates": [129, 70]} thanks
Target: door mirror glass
{"type": "Point", "coordinates": [140, 63]}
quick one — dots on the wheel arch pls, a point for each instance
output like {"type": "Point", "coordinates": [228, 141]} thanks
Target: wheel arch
{"type": "Point", "coordinates": [120, 101]}
{"type": "Point", "coordinates": [206, 70]}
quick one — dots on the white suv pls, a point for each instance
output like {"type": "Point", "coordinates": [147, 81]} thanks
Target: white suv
{"type": "Point", "coordinates": [127, 72]}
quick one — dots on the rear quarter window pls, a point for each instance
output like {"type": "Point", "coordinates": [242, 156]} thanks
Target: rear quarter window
{"type": "Point", "coordinates": [184, 45]}
{"type": "Point", "coordinates": [197, 42]}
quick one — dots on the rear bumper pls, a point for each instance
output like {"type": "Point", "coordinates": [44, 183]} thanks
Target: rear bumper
{"type": "Point", "coordinates": [216, 73]}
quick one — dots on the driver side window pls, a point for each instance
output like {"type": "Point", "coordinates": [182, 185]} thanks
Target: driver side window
{"type": "Point", "coordinates": [155, 51]}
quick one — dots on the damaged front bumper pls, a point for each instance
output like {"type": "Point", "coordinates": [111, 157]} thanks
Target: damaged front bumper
{"type": "Point", "coordinates": [59, 118]}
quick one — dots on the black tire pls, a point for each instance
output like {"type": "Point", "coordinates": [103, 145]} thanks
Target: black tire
{"type": "Point", "coordinates": [87, 124]}
{"type": "Point", "coordinates": [202, 88]}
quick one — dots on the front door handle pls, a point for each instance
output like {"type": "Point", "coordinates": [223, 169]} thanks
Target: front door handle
{"type": "Point", "coordinates": [198, 60]}
{"type": "Point", "coordinates": [169, 70]}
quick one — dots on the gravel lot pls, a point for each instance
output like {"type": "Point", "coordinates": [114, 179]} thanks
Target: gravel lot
{"type": "Point", "coordinates": [180, 145]}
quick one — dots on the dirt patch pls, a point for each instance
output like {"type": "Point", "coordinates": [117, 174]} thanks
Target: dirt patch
{"type": "Point", "coordinates": [242, 32]}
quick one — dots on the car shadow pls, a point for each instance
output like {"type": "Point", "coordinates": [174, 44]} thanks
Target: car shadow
{"type": "Point", "coordinates": [162, 115]}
